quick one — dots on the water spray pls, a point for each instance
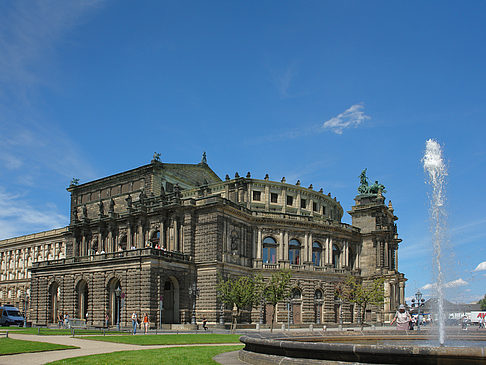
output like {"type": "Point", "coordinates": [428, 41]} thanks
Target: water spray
{"type": "Point", "coordinates": [436, 171]}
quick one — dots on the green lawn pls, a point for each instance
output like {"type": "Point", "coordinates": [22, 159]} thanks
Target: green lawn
{"type": "Point", "coordinates": [170, 356]}
{"type": "Point", "coordinates": [54, 331]}
{"type": "Point", "coordinates": [9, 346]}
{"type": "Point", "coordinates": [168, 339]}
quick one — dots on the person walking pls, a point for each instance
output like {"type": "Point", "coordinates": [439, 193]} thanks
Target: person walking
{"type": "Point", "coordinates": [146, 323]}
{"type": "Point", "coordinates": [205, 324]}
{"type": "Point", "coordinates": [402, 317]}
{"type": "Point", "coordinates": [107, 318]}
{"type": "Point", "coordinates": [134, 322]}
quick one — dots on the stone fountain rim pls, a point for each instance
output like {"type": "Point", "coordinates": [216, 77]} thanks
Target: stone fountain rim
{"type": "Point", "coordinates": [347, 351]}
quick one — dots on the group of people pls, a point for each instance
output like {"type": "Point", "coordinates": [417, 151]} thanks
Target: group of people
{"type": "Point", "coordinates": [137, 322]}
{"type": "Point", "coordinates": [63, 320]}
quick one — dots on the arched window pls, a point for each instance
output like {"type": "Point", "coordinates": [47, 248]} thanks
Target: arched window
{"type": "Point", "coordinates": [336, 253]}
{"type": "Point", "coordinates": [318, 294]}
{"type": "Point", "coordinates": [296, 293]}
{"type": "Point", "coordinates": [294, 252]}
{"type": "Point", "coordinates": [316, 253]}
{"type": "Point", "coordinates": [269, 250]}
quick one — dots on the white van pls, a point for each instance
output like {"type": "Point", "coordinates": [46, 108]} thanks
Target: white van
{"type": "Point", "coordinates": [9, 315]}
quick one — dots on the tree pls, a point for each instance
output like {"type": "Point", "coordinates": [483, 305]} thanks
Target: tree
{"type": "Point", "coordinates": [276, 289]}
{"type": "Point", "coordinates": [482, 302]}
{"type": "Point", "coordinates": [362, 294]}
{"type": "Point", "coordinates": [242, 292]}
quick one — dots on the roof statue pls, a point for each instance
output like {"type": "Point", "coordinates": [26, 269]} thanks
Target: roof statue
{"type": "Point", "coordinates": [74, 182]}
{"type": "Point", "coordinates": [363, 179]}
{"type": "Point", "coordinates": [204, 159]}
{"type": "Point", "coordinates": [364, 188]}
{"type": "Point", "coordinates": [156, 157]}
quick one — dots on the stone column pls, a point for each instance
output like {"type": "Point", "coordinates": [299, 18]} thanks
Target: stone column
{"type": "Point", "coordinates": [100, 242]}
{"type": "Point", "coordinates": [309, 247]}
{"type": "Point", "coordinates": [111, 244]}
{"type": "Point", "coordinates": [176, 236]}
{"type": "Point", "coordinates": [129, 237]}
{"type": "Point", "coordinates": [284, 200]}
{"type": "Point", "coordinates": [140, 240]}
{"type": "Point", "coordinates": [161, 234]}
{"type": "Point", "coordinates": [387, 296]}
{"type": "Point", "coordinates": [267, 197]}
{"type": "Point", "coordinates": [386, 255]}
{"type": "Point", "coordinates": [259, 245]}
{"type": "Point", "coordinates": [282, 246]}
{"type": "Point", "coordinates": [305, 256]}
{"type": "Point", "coordinates": [83, 247]}
{"type": "Point", "coordinates": [346, 254]}
{"type": "Point", "coordinates": [286, 245]}
{"type": "Point", "coordinates": [401, 298]}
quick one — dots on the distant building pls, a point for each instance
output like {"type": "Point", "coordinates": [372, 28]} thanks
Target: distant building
{"type": "Point", "coordinates": [165, 233]}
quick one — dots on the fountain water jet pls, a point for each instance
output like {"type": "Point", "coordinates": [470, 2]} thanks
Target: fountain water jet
{"type": "Point", "coordinates": [437, 172]}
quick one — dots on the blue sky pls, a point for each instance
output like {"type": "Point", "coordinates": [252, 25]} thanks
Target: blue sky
{"type": "Point", "coordinates": [312, 90]}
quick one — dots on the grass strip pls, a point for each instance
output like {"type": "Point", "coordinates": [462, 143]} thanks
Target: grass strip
{"type": "Point", "coordinates": [9, 346]}
{"type": "Point", "coordinates": [180, 339]}
{"type": "Point", "coordinates": [168, 356]}
{"type": "Point", "coordinates": [55, 331]}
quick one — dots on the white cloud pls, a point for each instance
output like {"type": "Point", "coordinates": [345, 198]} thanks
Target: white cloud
{"type": "Point", "coordinates": [428, 286]}
{"type": "Point", "coordinates": [481, 266]}
{"type": "Point", "coordinates": [351, 117]}
{"type": "Point", "coordinates": [18, 216]}
{"type": "Point", "coordinates": [451, 284]}
{"type": "Point", "coordinates": [456, 283]}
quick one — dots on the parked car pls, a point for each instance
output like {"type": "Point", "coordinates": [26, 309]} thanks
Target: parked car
{"type": "Point", "coordinates": [10, 315]}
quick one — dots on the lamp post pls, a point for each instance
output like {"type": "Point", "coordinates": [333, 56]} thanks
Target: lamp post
{"type": "Point", "coordinates": [340, 303]}
{"type": "Point", "coordinates": [221, 317]}
{"type": "Point", "coordinates": [161, 308]}
{"type": "Point", "coordinates": [118, 294]}
{"type": "Point", "coordinates": [26, 305]}
{"type": "Point", "coordinates": [418, 302]}
{"type": "Point", "coordinates": [193, 292]}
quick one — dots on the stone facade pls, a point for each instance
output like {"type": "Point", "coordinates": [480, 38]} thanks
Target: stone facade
{"type": "Point", "coordinates": [158, 238]}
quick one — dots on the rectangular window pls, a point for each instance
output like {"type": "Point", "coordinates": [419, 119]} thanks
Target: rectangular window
{"type": "Point", "coordinates": [274, 197]}
{"type": "Point", "coordinates": [257, 195]}
{"type": "Point", "coordinates": [303, 203]}
{"type": "Point", "coordinates": [290, 200]}
{"type": "Point", "coordinates": [314, 206]}
{"type": "Point", "coordinates": [323, 210]}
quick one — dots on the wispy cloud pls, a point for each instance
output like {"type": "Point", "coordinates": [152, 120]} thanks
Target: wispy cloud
{"type": "Point", "coordinates": [351, 117]}
{"type": "Point", "coordinates": [451, 284]}
{"type": "Point", "coordinates": [30, 34]}
{"type": "Point", "coordinates": [481, 266]}
{"type": "Point", "coordinates": [18, 216]}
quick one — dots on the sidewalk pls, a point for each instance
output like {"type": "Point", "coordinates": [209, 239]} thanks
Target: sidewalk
{"type": "Point", "coordinates": [86, 347]}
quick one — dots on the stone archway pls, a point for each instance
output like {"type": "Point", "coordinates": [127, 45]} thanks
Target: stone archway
{"type": "Point", "coordinates": [114, 301]}
{"type": "Point", "coordinates": [170, 290]}
{"type": "Point", "coordinates": [53, 302]}
{"type": "Point", "coordinates": [81, 299]}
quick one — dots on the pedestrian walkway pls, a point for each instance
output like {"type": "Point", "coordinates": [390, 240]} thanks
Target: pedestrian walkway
{"type": "Point", "coordinates": [229, 358]}
{"type": "Point", "coordinates": [86, 347]}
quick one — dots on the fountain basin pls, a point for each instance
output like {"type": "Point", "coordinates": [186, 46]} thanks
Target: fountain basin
{"type": "Point", "coordinates": [361, 349]}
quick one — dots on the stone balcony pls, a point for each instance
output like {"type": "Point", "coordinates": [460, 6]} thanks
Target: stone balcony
{"type": "Point", "coordinates": [127, 254]}
{"type": "Point", "coordinates": [306, 267]}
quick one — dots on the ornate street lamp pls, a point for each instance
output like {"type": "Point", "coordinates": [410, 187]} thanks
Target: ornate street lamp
{"type": "Point", "coordinates": [418, 302]}
{"type": "Point", "coordinates": [193, 292]}
{"type": "Point", "coordinates": [118, 294]}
